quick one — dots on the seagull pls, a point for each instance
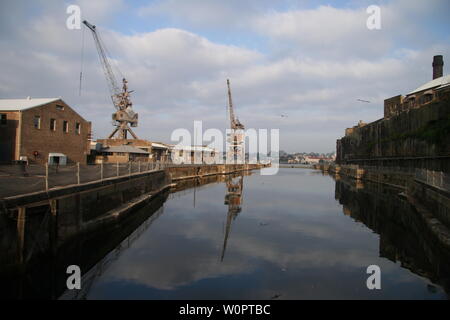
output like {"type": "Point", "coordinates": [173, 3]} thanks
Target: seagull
{"type": "Point", "coordinates": [360, 100]}
{"type": "Point", "coordinates": [284, 116]}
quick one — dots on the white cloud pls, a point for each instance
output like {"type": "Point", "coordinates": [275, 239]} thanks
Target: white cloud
{"type": "Point", "coordinates": [318, 63]}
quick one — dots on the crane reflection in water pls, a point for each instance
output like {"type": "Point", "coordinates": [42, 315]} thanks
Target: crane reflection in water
{"type": "Point", "coordinates": [233, 199]}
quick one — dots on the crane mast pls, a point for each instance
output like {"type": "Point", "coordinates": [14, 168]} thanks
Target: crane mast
{"type": "Point", "coordinates": [236, 138]}
{"type": "Point", "coordinates": [124, 115]}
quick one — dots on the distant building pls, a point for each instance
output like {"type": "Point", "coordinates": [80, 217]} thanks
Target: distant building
{"type": "Point", "coordinates": [431, 91]}
{"type": "Point", "coordinates": [411, 133]}
{"type": "Point", "coordinates": [119, 154]}
{"type": "Point", "coordinates": [160, 152]}
{"type": "Point", "coordinates": [313, 159]}
{"type": "Point", "coordinates": [42, 131]}
{"type": "Point", "coordinates": [192, 154]}
{"type": "Point", "coordinates": [350, 131]}
{"type": "Point", "coordinates": [153, 151]}
{"type": "Point", "coordinates": [121, 150]}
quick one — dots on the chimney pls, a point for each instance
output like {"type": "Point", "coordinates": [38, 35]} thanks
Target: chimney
{"type": "Point", "coordinates": [438, 66]}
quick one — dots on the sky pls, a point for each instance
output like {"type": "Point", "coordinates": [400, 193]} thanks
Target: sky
{"type": "Point", "coordinates": [297, 66]}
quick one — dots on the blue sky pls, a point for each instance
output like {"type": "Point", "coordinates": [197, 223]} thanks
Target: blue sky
{"type": "Point", "coordinates": [309, 60]}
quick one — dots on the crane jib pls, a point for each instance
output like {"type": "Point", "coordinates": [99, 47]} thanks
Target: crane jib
{"type": "Point", "coordinates": [124, 115]}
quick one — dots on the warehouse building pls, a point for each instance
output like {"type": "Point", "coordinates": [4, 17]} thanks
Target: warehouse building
{"type": "Point", "coordinates": [42, 131]}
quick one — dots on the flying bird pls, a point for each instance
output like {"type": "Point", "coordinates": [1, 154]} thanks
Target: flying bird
{"type": "Point", "coordinates": [363, 100]}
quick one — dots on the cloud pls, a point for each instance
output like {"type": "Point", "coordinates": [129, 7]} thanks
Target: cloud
{"type": "Point", "coordinates": [206, 13]}
{"type": "Point", "coordinates": [318, 61]}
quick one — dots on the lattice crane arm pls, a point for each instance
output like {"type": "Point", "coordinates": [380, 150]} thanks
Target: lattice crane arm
{"type": "Point", "coordinates": [110, 78]}
{"type": "Point", "coordinates": [230, 106]}
{"type": "Point", "coordinates": [234, 122]}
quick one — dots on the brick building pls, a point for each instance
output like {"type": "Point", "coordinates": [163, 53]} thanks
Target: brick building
{"type": "Point", "coordinates": [429, 92]}
{"type": "Point", "coordinates": [118, 154]}
{"type": "Point", "coordinates": [42, 131]}
{"type": "Point", "coordinates": [121, 150]}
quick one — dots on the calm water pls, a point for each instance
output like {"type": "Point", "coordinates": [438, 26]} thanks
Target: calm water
{"type": "Point", "coordinates": [271, 237]}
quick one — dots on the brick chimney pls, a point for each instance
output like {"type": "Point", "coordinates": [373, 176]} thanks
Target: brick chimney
{"type": "Point", "coordinates": [438, 66]}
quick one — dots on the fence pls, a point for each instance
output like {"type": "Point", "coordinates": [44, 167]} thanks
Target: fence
{"type": "Point", "coordinates": [22, 179]}
{"type": "Point", "coordinates": [387, 169]}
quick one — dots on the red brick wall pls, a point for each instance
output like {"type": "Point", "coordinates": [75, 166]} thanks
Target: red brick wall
{"type": "Point", "coordinates": [9, 136]}
{"type": "Point", "coordinates": [74, 146]}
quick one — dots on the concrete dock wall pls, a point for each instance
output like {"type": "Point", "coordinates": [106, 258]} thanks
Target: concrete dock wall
{"type": "Point", "coordinates": [46, 220]}
{"type": "Point", "coordinates": [192, 171]}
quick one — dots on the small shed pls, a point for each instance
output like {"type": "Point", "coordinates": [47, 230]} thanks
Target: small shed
{"type": "Point", "coordinates": [57, 158]}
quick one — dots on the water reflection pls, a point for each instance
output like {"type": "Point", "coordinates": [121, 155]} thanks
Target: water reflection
{"type": "Point", "coordinates": [299, 235]}
{"type": "Point", "coordinates": [403, 235]}
{"type": "Point", "coordinates": [233, 200]}
{"type": "Point", "coordinates": [291, 241]}
{"type": "Point", "coordinates": [43, 274]}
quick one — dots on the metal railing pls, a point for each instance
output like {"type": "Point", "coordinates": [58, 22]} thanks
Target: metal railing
{"type": "Point", "coordinates": [388, 169]}
{"type": "Point", "coordinates": [437, 179]}
{"type": "Point", "coordinates": [22, 179]}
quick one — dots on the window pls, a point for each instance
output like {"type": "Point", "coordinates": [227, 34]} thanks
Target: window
{"type": "Point", "coordinates": [65, 126]}
{"type": "Point", "coordinates": [3, 119]}
{"type": "Point", "coordinates": [181, 153]}
{"type": "Point", "coordinates": [37, 122]}
{"type": "Point", "coordinates": [426, 98]}
{"type": "Point", "coordinates": [77, 128]}
{"type": "Point", "coordinates": [53, 124]}
{"type": "Point", "coordinates": [59, 107]}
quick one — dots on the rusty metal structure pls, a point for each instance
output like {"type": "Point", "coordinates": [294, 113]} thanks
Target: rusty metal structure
{"type": "Point", "coordinates": [236, 137]}
{"type": "Point", "coordinates": [124, 117]}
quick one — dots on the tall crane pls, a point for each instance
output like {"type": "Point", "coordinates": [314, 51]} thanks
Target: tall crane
{"type": "Point", "coordinates": [124, 117]}
{"type": "Point", "coordinates": [236, 138]}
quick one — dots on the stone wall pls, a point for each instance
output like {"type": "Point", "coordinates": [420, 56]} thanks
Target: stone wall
{"type": "Point", "coordinates": [418, 138]}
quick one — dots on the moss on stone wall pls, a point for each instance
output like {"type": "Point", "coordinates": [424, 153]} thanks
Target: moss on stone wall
{"type": "Point", "coordinates": [420, 132]}
{"type": "Point", "coordinates": [434, 132]}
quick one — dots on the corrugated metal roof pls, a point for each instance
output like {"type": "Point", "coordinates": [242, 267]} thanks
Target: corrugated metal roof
{"type": "Point", "coordinates": [438, 82]}
{"type": "Point", "coordinates": [127, 149]}
{"type": "Point", "coordinates": [159, 145]}
{"type": "Point", "coordinates": [23, 104]}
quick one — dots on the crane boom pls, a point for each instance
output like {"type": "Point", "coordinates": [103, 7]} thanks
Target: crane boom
{"type": "Point", "coordinates": [124, 114]}
{"type": "Point", "coordinates": [236, 138]}
{"type": "Point", "coordinates": [110, 78]}
{"type": "Point", "coordinates": [230, 105]}
{"type": "Point", "coordinates": [234, 122]}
